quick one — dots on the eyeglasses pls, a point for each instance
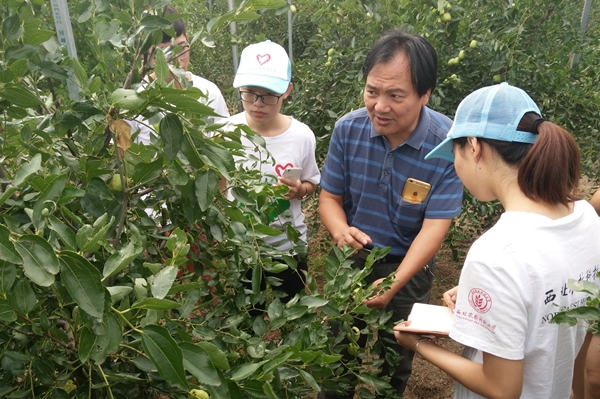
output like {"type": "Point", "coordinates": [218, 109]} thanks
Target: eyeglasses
{"type": "Point", "coordinates": [267, 99]}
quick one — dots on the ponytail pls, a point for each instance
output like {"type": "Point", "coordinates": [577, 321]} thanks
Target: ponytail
{"type": "Point", "coordinates": [549, 172]}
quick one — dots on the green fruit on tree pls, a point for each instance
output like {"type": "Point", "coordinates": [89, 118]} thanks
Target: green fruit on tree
{"type": "Point", "coordinates": [462, 54]}
{"type": "Point", "coordinates": [199, 393]}
{"type": "Point", "coordinates": [328, 63]}
{"type": "Point", "coordinates": [45, 212]}
{"type": "Point", "coordinates": [115, 183]}
{"type": "Point", "coordinates": [473, 44]}
{"type": "Point", "coordinates": [329, 59]}
{"type": "Point", "coordinates": [293, 9]}
{"type": "Point", "coordinates": [497, 78]}
{"type": "Point", "coordinates": [369, 15]}
{"type": "Point", "coordinates": [453, 61]}
{"type": "Point", "coordinates": [448, 6]}
{"type": "Point", "coordinates": [331, 51]}
{"type": "Point", "coordinates": [353, 349]}
{"type": "Point", "coordinates": [446, 17]}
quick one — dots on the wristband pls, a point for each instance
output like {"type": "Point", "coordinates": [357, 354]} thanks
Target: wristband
{"type": "Point", "coordinates": [305, 193]}
{"type": "Point", "coordinates": [419, 341]}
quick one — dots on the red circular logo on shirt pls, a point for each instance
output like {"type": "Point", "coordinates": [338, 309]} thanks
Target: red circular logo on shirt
{"type": "Point", "coordinates": [480, 300]}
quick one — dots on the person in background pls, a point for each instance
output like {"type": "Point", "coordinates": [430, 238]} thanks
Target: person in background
{"type": "Point", "coordinates": [263, 79]}
{"type": "Point", "coordinates": [377, 152]}
{"type": "Point", "coordinates": [515, 275]}
{"type": "Point", "coordinates": [214, 97]}
{"type": "Point", "coordinates": [586, 381]}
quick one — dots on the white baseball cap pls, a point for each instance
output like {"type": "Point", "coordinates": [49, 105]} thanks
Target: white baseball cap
{"type": "Point", "coordinates": [265, 64]}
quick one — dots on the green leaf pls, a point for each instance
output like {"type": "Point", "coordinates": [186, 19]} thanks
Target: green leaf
{"type": "Point", "coordinates": [127, 99]}
{"type": "Point", "coordinates": [79, 72]}
{"type": "Point", "coordinates": [8, 275]}
{"type": "Point", "coordinates": [313, 302]}
{"type": "Point", "coordinates": [197, 362]}
{"type": "Point", "coordinates": [82, 281]}
{"type": "Point", "coordinates": [8, 252]}
{"type": "Point", "coordinates": [20, 97]}
{"type": "Point", "coordinates": [65, 233]}
{"type": "Point", "coordinates": [7, 314]}
{"type": "Point", "coordinates": [39, 261]}
{"type": "Point", "coordinates": [153, 22]}
{"type": "Point", "coordinates": [161, 68]}
{"type": "Point", "coordinates": [217, 356]}
{"type": "Point", "coordinates": [585, 313]}
{"type": "Point", "coordinates": [207, 187]}
{"type": "Point", "coordinates": [88, 238]}
{"type": "Point", "coordinates": [165, 354]}
{"type": "Point", "coordinates": [20, 68]}
{"type": "Point", "coordinates": [584, 286]}
{"type": "Point", "coordinates": [176, 174]}
{"type": "Point", "coordinates": [244, 371]}
{"type": "Point", "coordinates": [163, 281]}
{"type": "Point", "coordinates": [171, 132]}
{"type": "Point", "coordinates": [376, 383]}
{"type": "Point", "coordinates": [109, 342]}
{"type": "Point", "coordinates": [245, 16]}
{"type": "Point", "coordinates": [145, 172]}
{"type": "Point", "coordinates": [37, 36]}
{"type": "Point", "coordinates": [155, 304]}
{"type": "Point", "coordinates": [50, 195]}
{"type": "Point", "coordinates": [267, 230]}
{"type": "Point", "coordinates": [120, 259]}
{"type": "Point", "coordinates": [23, 297]}
{"type": "Point", "coordinates": [87, 341]}
{"type": "Point", "coordinates": [106, 30]}
{"type": "Point", "coordinates": [10, 190]}
{"type": "Point", "coordinates": [218, 157]}
{"type": "Point", "coordinates": [118, 292]}
{"type": "Point", "coordinates": [27, 170]}
{"type": "Point", "coordinates": [11, 28]}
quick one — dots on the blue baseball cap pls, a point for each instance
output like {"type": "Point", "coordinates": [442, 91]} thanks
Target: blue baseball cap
{"type": "Point", "coordinates": [265, 64]}
{"type": "Point", "coordinates": [492, 112]}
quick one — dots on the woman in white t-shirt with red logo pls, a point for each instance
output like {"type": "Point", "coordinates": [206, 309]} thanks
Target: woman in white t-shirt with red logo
{"type": "Point", "coordinates": [515, 275]}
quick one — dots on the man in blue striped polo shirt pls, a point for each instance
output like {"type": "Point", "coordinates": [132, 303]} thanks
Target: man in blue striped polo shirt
{"type": "Point", "coordinates": [373, 152]}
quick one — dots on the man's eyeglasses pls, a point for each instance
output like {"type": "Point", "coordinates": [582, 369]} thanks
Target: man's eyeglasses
{"type": "Point", "coordinates": [267, 99]}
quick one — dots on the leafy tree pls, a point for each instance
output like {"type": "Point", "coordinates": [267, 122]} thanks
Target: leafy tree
{"type": "Point", "coordinates": [123, 266]}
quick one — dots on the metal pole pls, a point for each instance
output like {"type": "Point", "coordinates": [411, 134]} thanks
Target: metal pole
{"type": "Point", "coordinates": [290, 51]}
{"type": "Point", "coordinates": [584, 21]}
{"type": "Point", "coordinates": [64, 31]}
{"type": "Point", "coordinates": [232, 29]}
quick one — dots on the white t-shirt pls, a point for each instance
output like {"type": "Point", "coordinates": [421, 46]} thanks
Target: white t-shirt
{"type": "Point", "coordinates": [214, 99]}
{"type": "Point", "coordinates": [293, 148]}
{"type": "Point", "coordinates": [513, 282]}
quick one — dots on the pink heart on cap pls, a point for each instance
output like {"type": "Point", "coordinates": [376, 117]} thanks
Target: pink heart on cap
{"type": "Point", "coordinates": [263, 59]}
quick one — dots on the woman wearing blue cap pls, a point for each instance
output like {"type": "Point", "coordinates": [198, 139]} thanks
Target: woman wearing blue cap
{"type": "Point", "coordinates": [515, 276]}
{"type": "Point", "coordinates": [264, 82]}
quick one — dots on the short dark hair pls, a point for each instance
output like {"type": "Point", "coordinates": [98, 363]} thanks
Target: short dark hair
{"type": "Point", "coordinates": [421, 56]}
{"type": "Point", "coordinates": [178, 24]}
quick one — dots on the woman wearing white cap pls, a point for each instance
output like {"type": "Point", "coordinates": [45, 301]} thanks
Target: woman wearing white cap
{"type": "Point", "coordinates": [264, 82]}
{"type": "Point", "coordinates": [515, 276]}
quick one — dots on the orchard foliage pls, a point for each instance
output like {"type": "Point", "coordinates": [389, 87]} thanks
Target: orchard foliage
{"type": "Point", "coordinates": [125, 272]}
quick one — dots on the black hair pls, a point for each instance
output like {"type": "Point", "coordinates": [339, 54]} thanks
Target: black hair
{"type": "Point", "coordinates": [421, 56]}
{"type": "Point", "coordinates": [178, 24]}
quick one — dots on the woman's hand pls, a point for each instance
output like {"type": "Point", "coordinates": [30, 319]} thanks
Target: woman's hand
{"type": "Point", "coordinates": [405, 339]}
{"type": "Point", "coordinates": [297, 189]}
{"type": "Point", "coordinates": [450, 297]}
